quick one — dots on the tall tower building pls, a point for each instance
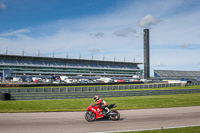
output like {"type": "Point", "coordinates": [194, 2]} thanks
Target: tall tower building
{"type": "Point", "coordinates": [146, 54]}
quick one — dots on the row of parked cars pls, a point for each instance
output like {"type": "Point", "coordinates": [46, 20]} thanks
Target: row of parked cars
{"type": "Point", "coordinates": [65, 79]}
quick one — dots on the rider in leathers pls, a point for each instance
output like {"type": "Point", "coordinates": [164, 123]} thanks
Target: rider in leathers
{"type": "Point", "coordinates": [102, 103]}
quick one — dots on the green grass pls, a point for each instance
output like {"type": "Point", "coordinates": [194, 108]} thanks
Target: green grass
{"type": "Point", "coordinates": [139, 102]}
{"type": "Point", "coordinates": [195, 129]}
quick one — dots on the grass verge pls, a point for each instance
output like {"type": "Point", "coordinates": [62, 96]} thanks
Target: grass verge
{"type": "Point", "coordinates": [139, 102]}
{"type": "Point", "coordinates": [195, 129]}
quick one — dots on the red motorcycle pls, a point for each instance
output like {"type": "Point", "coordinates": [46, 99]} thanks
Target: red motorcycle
{"type": "Point", "coordinates": [94, 112]}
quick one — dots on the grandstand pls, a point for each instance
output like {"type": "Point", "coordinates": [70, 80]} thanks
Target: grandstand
{"type": "Point", "coordinates": [173, 74]}
{"type": "Point", "coordinates": [48, 66]}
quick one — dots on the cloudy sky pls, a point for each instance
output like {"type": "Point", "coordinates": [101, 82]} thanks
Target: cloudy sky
{"type": "Point", "coordinates": [106, 29]}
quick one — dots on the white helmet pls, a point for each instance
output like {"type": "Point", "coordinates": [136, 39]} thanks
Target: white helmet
{"type": "Point", "coordinates": [96, 97]}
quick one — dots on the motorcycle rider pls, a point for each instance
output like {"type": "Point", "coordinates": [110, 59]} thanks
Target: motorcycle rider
{"type": "Point", "coordinates": [102, 104]}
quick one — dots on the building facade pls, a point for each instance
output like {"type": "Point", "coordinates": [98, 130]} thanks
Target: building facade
{"type": "Point", "coordinates": [48, 66]}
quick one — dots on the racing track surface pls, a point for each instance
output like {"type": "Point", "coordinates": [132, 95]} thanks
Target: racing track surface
{"type": "Point", "coordinates": [74, 122]}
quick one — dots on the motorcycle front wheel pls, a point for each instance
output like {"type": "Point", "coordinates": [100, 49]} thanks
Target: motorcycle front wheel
{"type": "Point", "coordinates": [114, 115]}
{"type": "Point", "coordinates": [90, 116]}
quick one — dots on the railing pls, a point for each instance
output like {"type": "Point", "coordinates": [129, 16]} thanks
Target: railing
{"type": "Point", "coordinates": [92, 88]}
{"type": "Point", "coordinates": [90, 91]}
{"type": "Point", "coordinates": [78, 95]}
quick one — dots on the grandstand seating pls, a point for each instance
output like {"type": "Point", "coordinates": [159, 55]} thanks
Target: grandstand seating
{"type": "Point", "coordinates": [23, 62]}
{"type": "Point", "coordinates": [9, 61]}
{"type": "Point", "coordinates": [45, 65]}
{"type": "Point", "coordinates": [52, 63]}
{"type": "Point", "coordinates": [176, 74]}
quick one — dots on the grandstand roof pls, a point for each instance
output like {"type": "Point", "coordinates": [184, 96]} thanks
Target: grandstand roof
{"type": "Point", "coordinates": [2, 56]}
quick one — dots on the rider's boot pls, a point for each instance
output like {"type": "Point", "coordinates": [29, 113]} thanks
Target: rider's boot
{"type": "Point", "coordinates": [108, 110]}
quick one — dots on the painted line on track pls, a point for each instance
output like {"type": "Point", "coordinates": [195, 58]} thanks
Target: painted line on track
{"type": "Point", "coordinates": [147, 129]}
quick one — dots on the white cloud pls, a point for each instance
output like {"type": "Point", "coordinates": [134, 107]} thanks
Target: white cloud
{"type": "Point", "coordinates": [125, 32]}
{"type": "Point", "coordinates": [94, 50]}
{"type": "Point", "coordinates": [160, 64]}
{"type": "Point", "coordinates": [185, 45]}
{"type": "Point", "coordinates": [16, 33]}
{"type": "Point", "coordinates": [148, 20]}
{"type": "Point", "coordinates": [3, 6]}
{"type": "Point", "coordinates": [97, 35]}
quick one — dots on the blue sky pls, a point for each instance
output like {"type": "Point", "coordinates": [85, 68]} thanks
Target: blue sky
{"type": "Point", "coordinates": [105, 29]}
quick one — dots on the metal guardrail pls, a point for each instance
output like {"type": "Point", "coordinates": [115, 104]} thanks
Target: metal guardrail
{"type": "Point", "coordinates": [92, 88]}
{"type": "Point", "coordinates": [88, 92]}
{"type": "Point", "coordinates": [75, 95]}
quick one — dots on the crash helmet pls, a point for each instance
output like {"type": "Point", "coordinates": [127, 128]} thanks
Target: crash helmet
{"type": "Point", "coordinates": [96, 97]}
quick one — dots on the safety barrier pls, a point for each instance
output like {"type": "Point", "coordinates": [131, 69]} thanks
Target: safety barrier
{"type": "Point", "coordinates": [92, 88]}
{"type": "Point", "coordinates": [76, 95]}
{"type": "Point", "coordinates": [89, 91]}
{"type": "Point", "coordinates": [4, 96]}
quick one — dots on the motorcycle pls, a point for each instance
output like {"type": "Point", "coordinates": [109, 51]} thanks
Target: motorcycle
{"type": "Point", "coordinates": [94, 112]}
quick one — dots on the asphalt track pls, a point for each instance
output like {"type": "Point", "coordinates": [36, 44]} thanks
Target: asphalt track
{"type": "Point", "coordinates": [74, 122]}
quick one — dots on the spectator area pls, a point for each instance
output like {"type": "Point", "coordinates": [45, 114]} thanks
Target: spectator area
{"type": "Point", "coordinates": [31, 65]}
{"type": "Point", "coordinates": [176, 74]}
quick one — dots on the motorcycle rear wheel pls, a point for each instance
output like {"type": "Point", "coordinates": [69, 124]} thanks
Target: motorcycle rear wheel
{"type": "Point", "coordinates": [90, 116]}
{"type": "Point", "coordinates": [115, 116]}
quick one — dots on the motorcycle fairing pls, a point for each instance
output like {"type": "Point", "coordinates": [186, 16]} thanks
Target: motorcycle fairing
{"type": "Point", "coordinates": [96, 110]}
